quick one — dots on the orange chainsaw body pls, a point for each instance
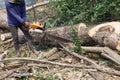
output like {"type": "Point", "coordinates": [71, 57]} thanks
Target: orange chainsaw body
{"type": "Point", "coordinates": [36, 25]}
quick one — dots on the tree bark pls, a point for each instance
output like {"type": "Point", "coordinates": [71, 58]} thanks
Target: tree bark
{"type": "Point", "coordinates": [63, 35]}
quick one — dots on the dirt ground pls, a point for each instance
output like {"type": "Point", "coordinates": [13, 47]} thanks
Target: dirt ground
{"type": "Point", "coordinates": [55, 72]}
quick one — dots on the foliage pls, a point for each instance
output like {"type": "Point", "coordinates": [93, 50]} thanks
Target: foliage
{"type": "Point", "coordinates": [10, 53]}
{"type": "Point", "coordinates": [51, 77]}
{"type": "Point", "coordinates": [76, 40]}
{"type": "Point", "coordinates": [65, 11]}
{"type": "Point", "coordinates": [39, 77]}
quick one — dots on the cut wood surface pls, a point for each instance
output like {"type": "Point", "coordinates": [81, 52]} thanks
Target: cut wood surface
{"type": "Point", "coordinates": [106, 34]}
{"type": "Point", "coordinates": [109, 39]}
{"type": "Point", "coordinates": [5, 36]}
{"type": "Point", "coordinates": [108, 26]}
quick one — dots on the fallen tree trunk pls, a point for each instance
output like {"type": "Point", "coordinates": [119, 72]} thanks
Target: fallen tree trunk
{"type": "Point", "coordinates": [63, 35]}
{"type": "Point", "coordinates": [55, 35]}
{"type": "Point", "coordinates": [107, 34]}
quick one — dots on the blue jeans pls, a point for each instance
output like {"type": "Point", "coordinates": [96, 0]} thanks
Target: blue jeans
{"type": "Point", "coordinates": [14, 32]}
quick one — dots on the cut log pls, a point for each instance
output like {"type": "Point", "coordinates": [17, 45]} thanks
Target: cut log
{"type": "Point", "coordinates": [5, 36]}
{"type": "Point", "coordinates": [109, 39]}
{"type": "Point", "coordinates": [107, 34]}
{"type": "Point", "coordinates": [109, 26]}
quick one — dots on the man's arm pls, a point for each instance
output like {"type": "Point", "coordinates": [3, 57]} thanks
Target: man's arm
{"type": "Point", "coordinates": [23, 11]}
{"type": "Point", "coordinates": [14, 15]}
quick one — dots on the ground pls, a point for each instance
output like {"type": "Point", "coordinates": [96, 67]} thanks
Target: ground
{"type": "Point", "coordinates": [55, 72]}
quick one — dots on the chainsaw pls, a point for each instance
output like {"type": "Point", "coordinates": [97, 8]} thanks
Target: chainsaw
{"type": "Point", "coordinates": [37, 27]}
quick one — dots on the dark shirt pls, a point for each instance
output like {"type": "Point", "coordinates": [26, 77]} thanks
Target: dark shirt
{"type": "Point", "coordinates": [16, 13]}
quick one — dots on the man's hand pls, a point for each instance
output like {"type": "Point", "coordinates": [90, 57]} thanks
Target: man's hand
{"type": "Point", "coordinates": [26, 24]}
